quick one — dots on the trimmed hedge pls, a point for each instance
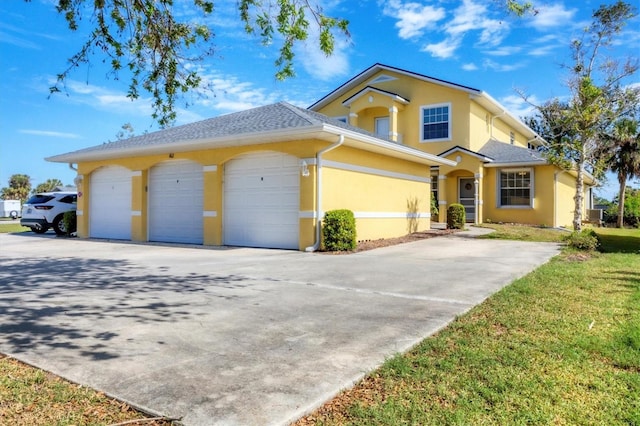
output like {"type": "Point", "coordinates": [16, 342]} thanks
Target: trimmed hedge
{"type": "Point", "coordinates": [339, 230]}
{"type": "Point", "coordinates": [456, 216]}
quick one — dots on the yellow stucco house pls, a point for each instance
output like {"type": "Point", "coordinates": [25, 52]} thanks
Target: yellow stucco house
{"type": "Point", "coordinates": [498, 174]}
{"type": "Point", "coordinates": [379, 145]}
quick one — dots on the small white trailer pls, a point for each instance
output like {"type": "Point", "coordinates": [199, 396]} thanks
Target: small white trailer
{"type": "Point", "coordinates": [10, 208]}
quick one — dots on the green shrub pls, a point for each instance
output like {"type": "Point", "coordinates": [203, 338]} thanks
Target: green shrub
{"type": "Point", "coordinates": [586, 240]}
{"type": "Point", "coordinates": [70, 221]}
{"type": "Point", "coordinates": [456, 216]}
{"type": "Point", "coordinates": [434, 209]}
{"type": "Point", "coordinates": [339, 230]}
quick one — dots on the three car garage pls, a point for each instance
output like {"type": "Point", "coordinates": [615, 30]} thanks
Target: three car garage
{"type": "Point", "coordinates": [260, 204]}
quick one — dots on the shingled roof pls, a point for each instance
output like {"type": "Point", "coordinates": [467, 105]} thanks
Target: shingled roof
{"type": "Point", "coordinates": [263, 120]}
{"type": "Point", "coordinates": [271, 123]}
{"type": "Point", "coordinates": [504, 153]}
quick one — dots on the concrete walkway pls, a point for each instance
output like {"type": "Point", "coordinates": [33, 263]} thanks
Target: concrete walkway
{"type": "Point", "coordinates": [236, 336]}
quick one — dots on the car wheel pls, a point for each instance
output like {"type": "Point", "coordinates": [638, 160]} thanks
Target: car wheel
{"type": "Point", "coordinates": [13, 214]}
{"type": "Point", "coordinates": [59, 226]}
{"type": "Point", "coordinates": [39, 229]}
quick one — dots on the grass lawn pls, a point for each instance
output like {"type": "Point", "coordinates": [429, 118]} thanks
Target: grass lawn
{"type": "Point", "coordinates": [6, 228]}
{"type": "Point", "coordinates": [559, 346]}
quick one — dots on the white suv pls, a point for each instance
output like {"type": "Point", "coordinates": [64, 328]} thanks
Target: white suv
{"type": "Point", "coordinates": [45, 210]}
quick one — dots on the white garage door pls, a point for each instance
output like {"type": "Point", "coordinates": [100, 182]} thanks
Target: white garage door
{"type": "Point", "coordinates": [176, 202]}
{"type": "Point", "coordinates": [262, 201]}
{"type": "Point", "coordinates": [110, 203]}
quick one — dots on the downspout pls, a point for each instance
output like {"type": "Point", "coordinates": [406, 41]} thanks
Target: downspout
{"type": "Point", "coordinates": [493, 117]}
{"type": "Point", "coordinates": [319, 155]}
{"type": "Point", "coordinates": [75, 169]}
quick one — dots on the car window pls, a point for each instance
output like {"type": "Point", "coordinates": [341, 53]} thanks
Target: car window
{"type": "Point", "coordinates": [39, 199]}
{"type": "Point", "coordinates": [69, 199]}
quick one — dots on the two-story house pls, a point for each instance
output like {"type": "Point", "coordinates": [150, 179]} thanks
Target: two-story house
{"type": "Point", "coordinates": [499, 175]}
{"type": "Point", "coordinates": [381, 145]}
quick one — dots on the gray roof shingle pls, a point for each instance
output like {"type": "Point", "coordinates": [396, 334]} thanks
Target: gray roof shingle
{"type": "Point", "coordinates": [268, 118]}
{"type": "Point", "coordinates": [502, 152]}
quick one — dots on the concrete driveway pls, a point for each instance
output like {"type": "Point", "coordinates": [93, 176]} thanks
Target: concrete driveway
{"type": "Point", "coordinates": [236, 336]}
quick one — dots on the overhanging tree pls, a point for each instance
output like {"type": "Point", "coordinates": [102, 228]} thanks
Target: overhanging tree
{"type": "Point", "coordinates": [573, 128]}
{"type": "Point", "coordinates": [157, 46]}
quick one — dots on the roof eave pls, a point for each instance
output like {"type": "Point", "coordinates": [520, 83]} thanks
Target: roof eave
{"type": "Point", "coordinates": [318, 132]}
{"type": "Point", "coordinates": [369, 72]}
{"type": "Point", "coordinates": [253, 138]}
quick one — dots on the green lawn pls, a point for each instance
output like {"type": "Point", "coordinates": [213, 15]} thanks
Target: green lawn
{"type": "Point", "coordinates": [559, 346]}
{"type": "Point", "coordinates": [6, 228]}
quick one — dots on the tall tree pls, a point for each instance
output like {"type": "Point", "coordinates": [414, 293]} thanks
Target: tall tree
{"type": "Point", "coordinates": [597, 99]}
{"type": "Point", "coordinates": [18, 189]}
{"type": "Point", "coordinates": [48, 186]}
{"type": "Point", "coordinates": [623, 157]}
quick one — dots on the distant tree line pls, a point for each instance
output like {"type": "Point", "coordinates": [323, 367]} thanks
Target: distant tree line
{"type": "Point", "coordinates": [19, 187]}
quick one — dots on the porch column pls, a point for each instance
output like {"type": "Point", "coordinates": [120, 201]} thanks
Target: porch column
{"type": "Point", "coordinates": [442, 198]}
{"type": "Point", "coordinates": [353, 119]}
{"type": "Point", "coordinates": [393, 124]}
{"type": "Point", "coordinates": [479, 195]}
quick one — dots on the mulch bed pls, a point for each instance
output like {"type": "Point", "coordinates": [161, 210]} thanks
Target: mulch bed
{"type": "Point", "coordinates": [386, 242]}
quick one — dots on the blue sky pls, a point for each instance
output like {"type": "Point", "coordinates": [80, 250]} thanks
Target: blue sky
{"type": "Point", "coordinates": [470, 42]}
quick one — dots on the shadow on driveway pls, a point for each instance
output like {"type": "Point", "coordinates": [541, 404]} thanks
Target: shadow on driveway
{"type": "Point", "coordinates": [38, 303]}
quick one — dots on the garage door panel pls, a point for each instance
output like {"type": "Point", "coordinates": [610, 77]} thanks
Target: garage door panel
{"type": "Point", "coordinates": [110, 203]}
{"type": "Point", "coordinates": [176, 202]}
{"type": "Point", "coordinates": [261, 201]}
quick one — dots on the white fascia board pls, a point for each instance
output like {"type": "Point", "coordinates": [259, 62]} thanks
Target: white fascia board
{"type": "Point", "coordinates": [495, 107]}
{"type": "Point", "coordinates": [374, 69]}
{"type": "Point", "coordinates": [369, 143]}
{"type": "Point", "coordinates": [254, 138]}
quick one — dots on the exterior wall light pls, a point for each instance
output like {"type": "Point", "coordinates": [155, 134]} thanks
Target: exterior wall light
{"type": "Point", "coordinates": [304, 169]}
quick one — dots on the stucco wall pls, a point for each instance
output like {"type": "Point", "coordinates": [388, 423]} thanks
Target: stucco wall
{"type": "Point", "coordinates": [376, 187]}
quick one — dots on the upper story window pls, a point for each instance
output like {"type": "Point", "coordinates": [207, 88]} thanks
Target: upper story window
{"type": "Point", "coordinates": [512, 138]}
{"type": "Point", "coordinates": [436, 122]}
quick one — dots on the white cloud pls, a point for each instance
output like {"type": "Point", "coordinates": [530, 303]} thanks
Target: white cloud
{"type": "Point", "coordinates": [317, 64]}
{"type": "Point", "coordinates": [445, 49]}
{"type": "Point", "coordinates": [542, 50]}
{"type": "Point", "coordinates": [49, 133]}
{"type": "Point", "coordinates": [550, 16]}
{"type": "Point", "coordinates": [470, 67]}
{"type": "Point", "coordinates": [413, 18]}
{"type": "Point", "coordinates": [504, 51]}
{"type": "Point", "coordinates": [517, 106]}
{"type": "Point", "coordinates": [471, 16]}
{"type": "Point", "coordinates": [495, 66]}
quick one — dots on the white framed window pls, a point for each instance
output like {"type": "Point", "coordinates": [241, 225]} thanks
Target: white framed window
{"type": "Point", "coordinates": [515, 188]}
{"type": "Point", "coordinates": [435, 122]}
{"type": "Point", "coordinates": [343, 118]}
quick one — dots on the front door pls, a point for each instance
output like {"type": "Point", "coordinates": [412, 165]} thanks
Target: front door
{"type": "Point", "coordinates": [467, 191]}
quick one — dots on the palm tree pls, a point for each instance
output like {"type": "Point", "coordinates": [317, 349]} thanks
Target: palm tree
{"type": "Point", "coordinates": [624, 157]}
